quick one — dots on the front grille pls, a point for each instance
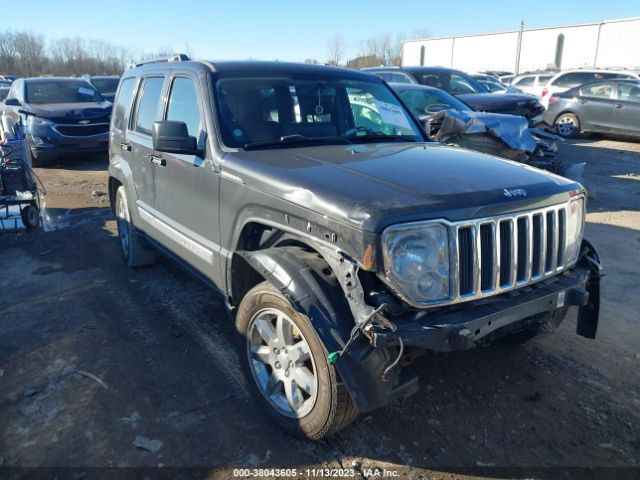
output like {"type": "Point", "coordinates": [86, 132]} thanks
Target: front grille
{"type": "Point", "coordinates": [501, 253]}
{"type": "Point", "coordinates": [82, 130]}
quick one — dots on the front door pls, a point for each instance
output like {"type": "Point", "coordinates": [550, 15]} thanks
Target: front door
{"type": "Point", "coordinates": [626, 116]}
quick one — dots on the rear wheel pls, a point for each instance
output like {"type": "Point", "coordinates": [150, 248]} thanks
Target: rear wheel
{"type": "Point", "coordinates": [285, 362]}
{"type": "Point", "coordinates": [567, 125]}
{"type": "Point", "coordinates": [134, 251]}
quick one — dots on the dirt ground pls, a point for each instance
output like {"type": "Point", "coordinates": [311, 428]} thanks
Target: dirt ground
{"type": "Point", "coordinates": [96, 358]}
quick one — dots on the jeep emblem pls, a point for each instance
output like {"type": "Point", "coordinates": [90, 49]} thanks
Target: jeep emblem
{"type": "Point", "coordinates": [515, 192]}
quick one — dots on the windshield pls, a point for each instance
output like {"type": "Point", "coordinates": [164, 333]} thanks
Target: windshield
{"type": "Point", "coordinates": [61, 91]}
{"type": "Point", "coordinates": [494, 86]}
{"type": "Point", "coordinates": [454, 83]}
{"type": "Point", "coordinates": [105, 85]}
{"type": "Point", "coordinates": [268, 111]}
{"type": "Point", "coordinates": [428, 101]}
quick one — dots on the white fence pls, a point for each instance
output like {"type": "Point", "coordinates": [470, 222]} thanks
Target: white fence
{"type": "Point", "coordinates": [611, 43]}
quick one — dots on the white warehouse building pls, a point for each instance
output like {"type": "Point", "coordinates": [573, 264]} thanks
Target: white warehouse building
{"type": "Point", "coordinates": [607, 44]}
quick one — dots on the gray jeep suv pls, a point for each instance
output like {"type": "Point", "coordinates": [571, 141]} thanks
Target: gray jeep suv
{"type": "Point", "coordinates": [344, 241]}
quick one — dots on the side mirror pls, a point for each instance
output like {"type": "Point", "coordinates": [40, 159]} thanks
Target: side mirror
{"type": "Point", "coordinates": [173, 137]}
{"type": "Point", "coordinates": [12, 102]}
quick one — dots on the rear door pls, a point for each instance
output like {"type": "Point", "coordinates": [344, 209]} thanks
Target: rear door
{"type": "Point", "coordinates": [595, 110]}
{"type": "Point", "coordinates": [138, 142]}
{"type": "Point", "coordinates": [626, 114]}
{"type": "Point", "coordinates": [186, 186]}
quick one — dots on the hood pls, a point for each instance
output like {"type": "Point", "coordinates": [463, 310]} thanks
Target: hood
{"type": "Point", "coordinates": [372, 186]}
{"type": "Point", "coordinates": [66, 112]}
{"type": "Point", "coordinates": [510, 103]}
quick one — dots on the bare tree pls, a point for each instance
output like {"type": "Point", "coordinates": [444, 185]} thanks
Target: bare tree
{"type": "Point", "coordinates": [382, 49]}
{"type": "Point", "coordinates": [335, 46]}
{"type": "Point", "coordinates": [7, 52]}
{"type": "Point", "coordinates": [31, 52]}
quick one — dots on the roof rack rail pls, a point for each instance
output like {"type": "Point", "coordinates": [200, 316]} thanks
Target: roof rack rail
{"type": "Point", "coordinates": [178, 57]}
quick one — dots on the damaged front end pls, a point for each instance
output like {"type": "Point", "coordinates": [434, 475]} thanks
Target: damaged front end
{"type": "Point", "coordinates": [540, 307]}
{"type": "Point", "coordinates": [506, 136]}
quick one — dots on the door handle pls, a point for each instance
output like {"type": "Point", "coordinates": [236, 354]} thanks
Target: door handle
{"type": "Point", "coordinates": [125, 146]}
{"type": "Point", "coordinates": [159, 161]}
{"type": "Point", "coordinates": [619, 106]}
{"type": "Point", "coordinates": [583, 101]}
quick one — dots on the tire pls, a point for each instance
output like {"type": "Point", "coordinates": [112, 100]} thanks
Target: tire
{"type": "Point", "coordinates": [134, 252]}
{"type": "Point", "coordinates": [567, 125]}
{"type": "Point", "coordinates": [318, 412]}
{"type": "Point", "coordinates": [30, 217]}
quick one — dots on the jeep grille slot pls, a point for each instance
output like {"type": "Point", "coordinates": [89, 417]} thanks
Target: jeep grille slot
{"type": "Point", "coordinates": [501, 253]}
{"type": "Point", "coordinates": [487, 261]}
{"type": "Point", "coordinates": [523, 248]}
{"type": "Point", "coordinates": [506, 247]}
{"type": "Point", "coordinates": [466, 256]}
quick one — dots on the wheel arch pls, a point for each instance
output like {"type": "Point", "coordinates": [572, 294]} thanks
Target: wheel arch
{"type": "Point", "coordinates": [308, 282]}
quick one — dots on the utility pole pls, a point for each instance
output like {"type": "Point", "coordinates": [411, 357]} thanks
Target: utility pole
{"type": "Point", "coordinates": [519, 48]}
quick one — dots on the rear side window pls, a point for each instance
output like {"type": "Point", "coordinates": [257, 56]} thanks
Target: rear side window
{"type": "Point", "coordinates": [543, 79]}
{"type": "Point", "coordinates": [147, 107]}
{"type": "Point", "coordinates": [597, 90]}
{"type": "Point", "coordinates": [123, 102]}
{"type": "Point", "coordinates": [525, 81]}
{"type": "Point", "coordinates": [400, 78]}
{"type": "Point", "coordinates": [183, 105]}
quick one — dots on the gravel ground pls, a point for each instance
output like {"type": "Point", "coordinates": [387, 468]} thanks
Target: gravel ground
{"type": "Point", "coordinates": [103, 366]}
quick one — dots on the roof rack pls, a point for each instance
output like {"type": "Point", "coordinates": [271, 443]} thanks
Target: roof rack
{"type": "Point", "coordinates": [178, 57]}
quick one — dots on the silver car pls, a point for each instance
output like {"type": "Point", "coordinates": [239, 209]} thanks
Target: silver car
{"type": "Point", "coordinates": [611, 106]}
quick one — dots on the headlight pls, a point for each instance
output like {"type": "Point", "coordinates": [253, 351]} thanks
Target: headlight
{"type": "Point", "coordinates": [575, 224]}
{"type": "Point", "coordinates": [37, 121]}
{"type": "Point", "coordinates": [416, 258]}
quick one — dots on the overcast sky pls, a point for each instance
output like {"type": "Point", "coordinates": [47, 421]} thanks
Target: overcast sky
{"type": "Point", "coordinates": [288, 30]}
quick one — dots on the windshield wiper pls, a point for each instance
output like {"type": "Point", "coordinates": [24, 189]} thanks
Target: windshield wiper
{"type": "Point", "coordinates": [376, 137]}
{"type": "Point", "coordinates": [297, 139]}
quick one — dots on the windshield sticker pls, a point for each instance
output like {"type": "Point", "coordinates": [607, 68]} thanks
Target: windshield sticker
{"type": "Point", "coordinates": [392, 114]}
{"type": "Point", "coordinates": [85, 91]}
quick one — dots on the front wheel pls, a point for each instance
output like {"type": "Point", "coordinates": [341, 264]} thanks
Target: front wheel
{"type": "Point", "coordinates": [285, 362]}
{"type": "Point", "coordinates": [567, 125]}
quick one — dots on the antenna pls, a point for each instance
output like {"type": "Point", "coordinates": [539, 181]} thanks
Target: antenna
{"type": "Point", "coordinates": [188, 51]}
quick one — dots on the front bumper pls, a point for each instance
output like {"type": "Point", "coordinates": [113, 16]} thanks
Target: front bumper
{"type": "Point", "coordinates": [46, 142]}
{"type": "Point", "coordinates": [462, 327]}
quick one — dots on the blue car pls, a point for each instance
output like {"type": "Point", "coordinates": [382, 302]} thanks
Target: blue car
{"type": "Point", "coordinates": [59, 116]}
{"type": "Point", "coordinates": [107, 86]}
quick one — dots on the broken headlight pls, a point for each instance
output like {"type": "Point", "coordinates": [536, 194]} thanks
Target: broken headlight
{"type": "Point", "coordinates": [416, 259]}
{"type": "Point", "coordinates": [575, 225]}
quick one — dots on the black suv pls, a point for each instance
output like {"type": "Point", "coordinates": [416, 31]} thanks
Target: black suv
{"type": "Point", "coordinates": [465, 87]}
{"type": "Point", "coordinates": [342, 238]}
{"type": "Point", "coordinates": [59, 116]}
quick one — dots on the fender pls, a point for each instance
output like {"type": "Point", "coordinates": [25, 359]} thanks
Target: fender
{"type": "Point", "coordinates": [121, 171]}
{"type": "Point", "coordinates": [588, 315]}
{"type": "Point", "coordinates": [302, 278]}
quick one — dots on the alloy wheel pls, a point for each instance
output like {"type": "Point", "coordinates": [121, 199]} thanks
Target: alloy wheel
{"type": "Point", "coordinates": [281, 362]}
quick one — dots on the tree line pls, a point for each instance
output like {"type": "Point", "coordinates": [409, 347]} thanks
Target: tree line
{"type": "Point", "coordinates": [27, 54]}
{"type": "Point", "coordinates": [382, 49]}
